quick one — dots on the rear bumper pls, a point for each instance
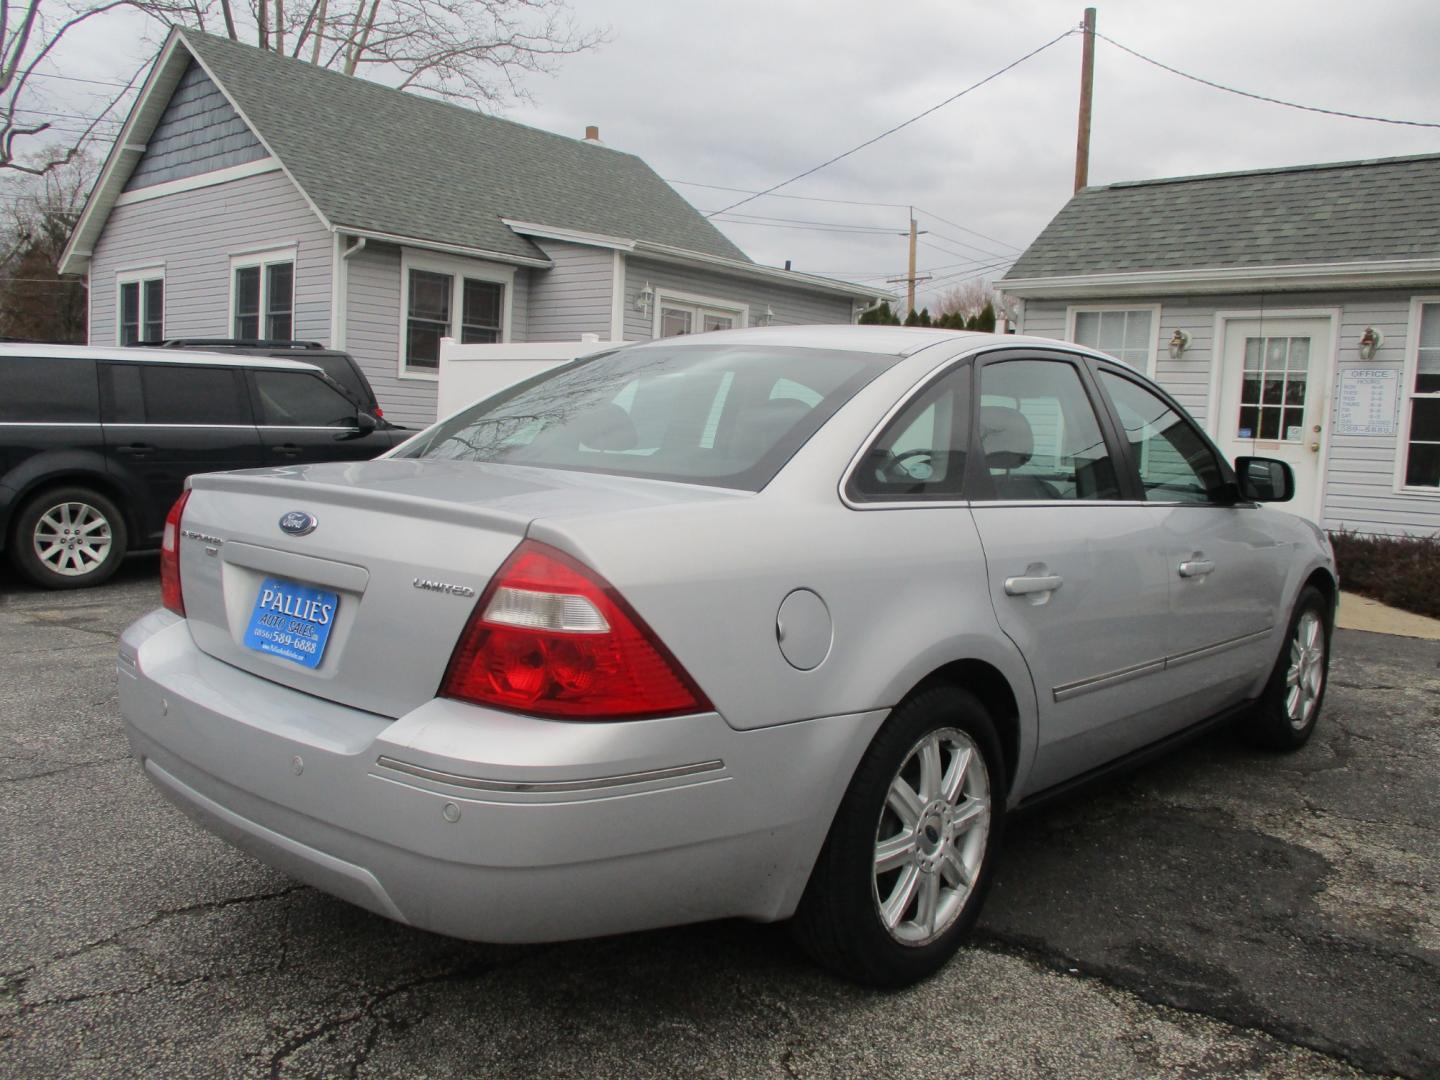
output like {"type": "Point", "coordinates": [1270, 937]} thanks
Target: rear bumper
{"type": "Point", "coordinates": [488, 825]}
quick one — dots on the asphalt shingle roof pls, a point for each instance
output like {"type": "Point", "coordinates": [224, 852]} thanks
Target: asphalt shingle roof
{"type": "Point", "coordinates": [1351, 211]}
{"type": "Point", "coordinates": [378, 159]}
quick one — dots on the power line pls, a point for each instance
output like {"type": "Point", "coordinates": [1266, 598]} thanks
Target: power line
{"type": "Point", "coordinates": [903, 124]}
{"type": "Point", "coordinates": [968, 246]}
{"type": "Point", "coordinates": [853, 230]}
{"type": "Point", "coordinates": [757, 218]}
{"type": "Point", "coordinates": [965, 228]}
{"type": "Point", "coordinates": [1263, 97]}
{"type": "Point", "coordinates": [802, 198]}
{"type": "Point", "coordinates": [77, 79]}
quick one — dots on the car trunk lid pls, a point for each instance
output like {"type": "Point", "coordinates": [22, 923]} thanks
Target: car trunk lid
{"type": "Point", "coordinates": [398, 550]}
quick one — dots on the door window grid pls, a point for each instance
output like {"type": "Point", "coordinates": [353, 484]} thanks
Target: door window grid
{"type": "Point", "coordinates": [677, 319]}
{"type": "Point", "coordinates": [1272, 392]}
{"type": "Point", "coordinates": [1126, 335]}
{"type": "Point", "coordinates": [1422, 454]}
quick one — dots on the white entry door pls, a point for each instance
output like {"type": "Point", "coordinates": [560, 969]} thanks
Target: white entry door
{"type": "Point", "coordinates": [1275, 379]}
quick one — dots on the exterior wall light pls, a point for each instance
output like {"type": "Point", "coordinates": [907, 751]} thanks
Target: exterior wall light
{"type": "Point", "coordinates": [1179, 342]}
{"type": "Point", "coordinates": [1370, 341]}
{"type": "Point", "coordinates": [644, 298]}
{"type": "Point", "coordinates": [766, 317]}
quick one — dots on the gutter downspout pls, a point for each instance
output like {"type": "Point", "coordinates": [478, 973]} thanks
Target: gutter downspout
{"type": "Point", "coordinates": [340, 301]}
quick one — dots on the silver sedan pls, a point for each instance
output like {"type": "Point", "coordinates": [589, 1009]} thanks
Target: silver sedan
{"type": "Point", "coordinates": [773, 623]}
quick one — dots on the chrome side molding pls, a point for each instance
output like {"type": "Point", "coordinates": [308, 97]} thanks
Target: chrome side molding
{"type": "Point", "coordinates": [478, 783]}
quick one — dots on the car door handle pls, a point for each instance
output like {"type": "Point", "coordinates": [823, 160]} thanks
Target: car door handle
{"type": "Point", "coordinates": [1196, 567]}
{"type": "Point", "coordinates": [288, 449]}
{"type": "Point", "coordinates": [1025, 586]}
{"type": "Point", "coordinates": [136, 449]}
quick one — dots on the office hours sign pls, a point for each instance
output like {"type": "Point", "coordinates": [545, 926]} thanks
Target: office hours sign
{"type": "Point", "coordinates": [1367, 402]}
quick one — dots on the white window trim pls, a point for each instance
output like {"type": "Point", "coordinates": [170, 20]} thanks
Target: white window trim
{"type": "Point", "coordinates": [740, 311]}
{"type": "Point", "coordinates": [458, 269]}
{"type": "Point", "coordinates": [139, 275]}
{"type": "Point", "coordinates": [1407, 394]}
{"type": "Point", "coordinates": [1073, 310]}
{"type": "Point", "coordinates": [262, 259]}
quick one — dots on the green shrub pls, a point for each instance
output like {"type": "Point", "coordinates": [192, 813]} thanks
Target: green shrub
{"type": "Point", "coordinates": [1402, 571]}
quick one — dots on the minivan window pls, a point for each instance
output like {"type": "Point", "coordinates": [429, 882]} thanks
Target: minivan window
{"type": "Point", "coordinates": [295, 399]}
{"type": "Point", "coordinates": [179, 394]}
{"type": "Point", "coordinates": [48, 390]}
{"type": "Point", "coordinates": [727, 415]}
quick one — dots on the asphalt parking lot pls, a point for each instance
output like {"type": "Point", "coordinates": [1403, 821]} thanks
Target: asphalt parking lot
{"type": "Point", "coordinates": [1221, 913]}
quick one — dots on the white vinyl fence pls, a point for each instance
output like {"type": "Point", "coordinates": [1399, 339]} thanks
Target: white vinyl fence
{"type": "Point", "coordinates": [471, 372]}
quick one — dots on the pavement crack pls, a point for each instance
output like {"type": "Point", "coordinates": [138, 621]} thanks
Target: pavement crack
{"type": "Point", "coordinates": [368, 1009]}
{"type": "Point", "coordinates": [1062, 963]}
{"type": "Point", "coordinates": [60, 769]}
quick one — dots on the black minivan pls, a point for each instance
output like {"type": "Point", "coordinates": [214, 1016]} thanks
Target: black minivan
{"type": "Point", "coordinates": [96, 443]}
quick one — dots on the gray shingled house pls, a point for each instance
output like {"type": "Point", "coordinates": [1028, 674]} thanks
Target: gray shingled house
{"type": "Point", "coordinates": [1295, 312]}
{"type": "Point", "coordinates": [252, 195]}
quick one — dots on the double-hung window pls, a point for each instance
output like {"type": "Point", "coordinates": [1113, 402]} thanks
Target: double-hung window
{"type": "Point", "coordinates": [262, 295]}
{"type": "Point", "coordinates": [1420, 452]}
{"type": "Point", "coordinates": [140, 298]}
{"type": "Point", "coordinates": [1128, 334]}
{"type": "Point", "coordinates": [445, 298]}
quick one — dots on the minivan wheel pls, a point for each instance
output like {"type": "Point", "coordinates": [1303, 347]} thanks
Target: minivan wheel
{"type": "Point", "coordinates": [68, 538]}
{"type": "Point", "coordinates": [906, 866]}
{"type": "Point", "coordinates": [1285, 716]}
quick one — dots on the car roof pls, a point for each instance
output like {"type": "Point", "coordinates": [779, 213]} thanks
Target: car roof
{"type": "Point", "coordinates": [893, 340]}
{"type": "Point", "coordinates": [139, 354]}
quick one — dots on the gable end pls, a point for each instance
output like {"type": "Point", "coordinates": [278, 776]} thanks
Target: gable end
{"type": "Point", "coordinates": [199, 132]}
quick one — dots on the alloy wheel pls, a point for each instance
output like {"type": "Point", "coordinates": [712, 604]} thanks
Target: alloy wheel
{"type": "Point", "coordinates": [930, 840]}
{"type": "Point", "coordinates": [1305, 677]}
{"type": "Point", "coordinates": [72, 538]}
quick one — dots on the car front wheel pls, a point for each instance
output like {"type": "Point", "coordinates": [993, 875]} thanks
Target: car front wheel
{"type": "Point", "coordinates": [68, 538]}
{"type": "Point", "coordinates": [906, 865]}
{"type": "Point", "coordinates": [1286, 714]}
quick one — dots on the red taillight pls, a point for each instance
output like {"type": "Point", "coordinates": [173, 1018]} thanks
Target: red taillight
{"type": "Point", "coordinates": [170, 594]}
{"type": "Point", "coordinates": [551, 638]}
{"type": "Point", "coordinates": [379, 412]}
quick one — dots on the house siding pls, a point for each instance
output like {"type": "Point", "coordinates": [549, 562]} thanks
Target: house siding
{"type": "Point", "coordinates": [574, 296]}
{"type": "Point", "coordinates": [199, 132]}
{"type": "Point", "coordinates": [791, 306]}
{"type": "Point", "coordinates": [372, 331]}
{"type": "Point", "coordinates": [1359, 470]}
{"type": "Point", "coordinates": [192, 234]}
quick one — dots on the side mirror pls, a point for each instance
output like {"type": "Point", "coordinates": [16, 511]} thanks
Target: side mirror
{"type": "Point", "coordinates": [366, 422]}
{"type": "Point", "coordinates": [1264, 479]}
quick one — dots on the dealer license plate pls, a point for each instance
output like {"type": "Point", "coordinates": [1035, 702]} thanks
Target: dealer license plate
{"type": "Point", "coordinates": [292, 621]}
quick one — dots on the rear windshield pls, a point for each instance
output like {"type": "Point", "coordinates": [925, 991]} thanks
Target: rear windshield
{"type": "Point", "coordinates": [725, 415]}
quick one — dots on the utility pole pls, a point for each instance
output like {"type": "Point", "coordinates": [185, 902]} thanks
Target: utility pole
{"type": "Point", "coordinates": [910, 279]}
{"type": "Point", "coordinates": [1087, 88]}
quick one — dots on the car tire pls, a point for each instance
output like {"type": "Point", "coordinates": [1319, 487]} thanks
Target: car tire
{"type": "Point", "coordinates": [860, 922]}
{"type": "Point", "coordinates": [45, 550]}
{"type": "Point", "coordinates": [1286, 714]}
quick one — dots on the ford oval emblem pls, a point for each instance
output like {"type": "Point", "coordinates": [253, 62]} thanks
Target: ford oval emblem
{"type": "Point", "coordinates": [298, 523]}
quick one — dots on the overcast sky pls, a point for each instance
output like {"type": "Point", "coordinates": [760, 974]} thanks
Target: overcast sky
{"type": "Point", "coordinates": [746, 93]}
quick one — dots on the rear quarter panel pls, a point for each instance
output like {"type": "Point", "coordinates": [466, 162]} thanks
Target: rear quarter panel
{"type": "Point", "coordinates": [905, 588]}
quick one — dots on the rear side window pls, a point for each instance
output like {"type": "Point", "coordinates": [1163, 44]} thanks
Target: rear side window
{"type": "Point", "coordinates": [343, 372]}
{"type": "Point", "coordinates": [295, 399]}
{"type": "Point", "coordinates": [921, 453]}
{"type": "Point", "coordinates": [175, 394]}
{"type": "Point", "coordinates": [49, 390]}
{"type": "Point", "coordinates": [725, 415]}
